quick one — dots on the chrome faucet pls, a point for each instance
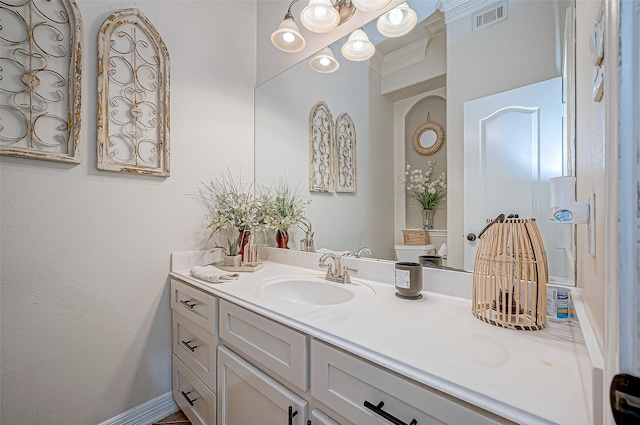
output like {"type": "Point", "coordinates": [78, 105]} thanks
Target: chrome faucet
{"type": "Point", "coordinates": [362, 250]}
{"type": "Point", "coordinates": [336, 272]}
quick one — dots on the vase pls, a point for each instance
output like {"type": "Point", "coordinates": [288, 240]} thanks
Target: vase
{"type": "Point", "coordinates": [282, 239]}
{"type": "Point", "coordinates": [243, 239]}
{"type": "Point", "coordinates": [427, 218]}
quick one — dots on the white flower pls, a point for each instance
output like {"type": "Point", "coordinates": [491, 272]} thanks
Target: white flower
{"type": "Point", "coordinates": [426, 192]}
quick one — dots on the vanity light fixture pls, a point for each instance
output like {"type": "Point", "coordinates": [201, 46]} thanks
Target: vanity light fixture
{"type": "Point", "coordinates": [324, 61]}
{"type": "Point", "coordinates": [358, 47]}
{"type": "Point", "coordinates": [287, 37]}
{"type": "Point", "coordinates": [370, 5]}
{"type": "Point", "coordinates": [320, 16]}
{"type": "Point", "coordinates": [398, 21]}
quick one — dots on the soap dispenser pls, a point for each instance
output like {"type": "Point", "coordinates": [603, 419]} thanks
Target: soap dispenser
{"type": "Point", "coordinates": [251, 251]}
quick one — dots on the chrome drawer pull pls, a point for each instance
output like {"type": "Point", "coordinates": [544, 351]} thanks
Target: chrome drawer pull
{"type": "Point", "coordinates": [188, 303]}
{"type": "Point", "coordinates": [186, 344]}
{"type": "Point", "coordinates": [186, 396]}
{"type": "Point", "coordinates": [388, 416]}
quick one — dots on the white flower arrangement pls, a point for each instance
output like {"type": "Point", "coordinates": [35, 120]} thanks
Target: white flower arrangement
{"type": "Point", "coordinates": [426, 192]}
{"type": "Point", "coordinates": [284, 209]}
{"type": "Point", "coordinates": [231, 204]}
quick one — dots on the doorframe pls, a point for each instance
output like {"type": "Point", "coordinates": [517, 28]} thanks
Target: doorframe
{"type": "Point", "coordinates": [622, 216]}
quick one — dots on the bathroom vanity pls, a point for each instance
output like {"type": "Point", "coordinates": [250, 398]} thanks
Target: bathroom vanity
{"type": "Point", "coordinates": [260, 350]}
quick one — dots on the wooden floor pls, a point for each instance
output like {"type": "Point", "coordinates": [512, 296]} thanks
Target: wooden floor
{"type": "Point", "coordinates": [176, 418]}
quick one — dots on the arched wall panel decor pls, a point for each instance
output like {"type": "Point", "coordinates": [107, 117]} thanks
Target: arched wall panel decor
{"type": "Point", "coordinates": [345, 161]}
{"type": "Point", "coordinates": [40, 79]}
{"type": "Point", "coordinates": [321, 149]}
{"type": "Point", "coordinates": [133, 96]}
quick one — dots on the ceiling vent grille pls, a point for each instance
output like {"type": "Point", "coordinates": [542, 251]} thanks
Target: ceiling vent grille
{"type": "Point", "coordinates": [490, 16]}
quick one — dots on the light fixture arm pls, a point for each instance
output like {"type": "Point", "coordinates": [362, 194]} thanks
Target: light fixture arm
{"type": "Point", "coordinates": [289, 15]}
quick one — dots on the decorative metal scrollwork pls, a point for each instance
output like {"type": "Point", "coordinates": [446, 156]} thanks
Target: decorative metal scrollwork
{"type": "Point", "coordinates": [321, 149]}
{"type": "Point", "coordinates": [345, 154]}
{"type": "Point", "coordinates": [133, 96]}
{"type": "Point", "coordinates": [40, 70]}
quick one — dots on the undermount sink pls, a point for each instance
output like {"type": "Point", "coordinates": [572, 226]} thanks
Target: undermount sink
{"type": "Point", "coordinates": [313, 290]}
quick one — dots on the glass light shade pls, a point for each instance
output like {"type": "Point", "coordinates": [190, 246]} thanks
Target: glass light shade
{"type": "Point", "coordinates": [320, 16]}
{"type": "Point", "coordinates": [370, 5]}
{"type": "Point", "coordinates": [324, 61]}
{"type": "Point", "coordinates": [358, 47]}
{"type": "Point", "coordinates": [398, 21]}
{"type": "Point", "coordinates": [287, 37]}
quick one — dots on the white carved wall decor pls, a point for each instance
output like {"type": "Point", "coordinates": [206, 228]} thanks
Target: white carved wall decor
{"type": "Point", "coordinates": [321, 148]}
{"type": "Point", "coordinates": [345, 152]}
{"type": "Point", "coordinates": [40, 70]}
{"type": "Point", "coordinates": [133, 96]}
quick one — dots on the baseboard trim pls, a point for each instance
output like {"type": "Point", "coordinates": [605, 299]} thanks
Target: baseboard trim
{"type": "Point", "coordinates": [146, 413]}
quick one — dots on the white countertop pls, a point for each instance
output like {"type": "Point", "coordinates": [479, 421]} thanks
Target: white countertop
{"type": "Point", "coordinates": [529, 377]}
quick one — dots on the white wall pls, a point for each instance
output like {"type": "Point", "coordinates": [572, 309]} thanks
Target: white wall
{"type": "Point", "coordinates": [524, 49]}
{"type": "Point", "coordinates": [283, 104]}
{"type": "Point", "coordinates": [85, 254]}
{"type": "Point", "coordinates": [590, 164]}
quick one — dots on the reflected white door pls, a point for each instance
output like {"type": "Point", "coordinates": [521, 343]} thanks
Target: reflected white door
{"type": "Point", "coordinates": [513, 145]}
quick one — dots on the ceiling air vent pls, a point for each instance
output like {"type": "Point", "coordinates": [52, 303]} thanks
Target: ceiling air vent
{"type": "Point", "coordinates": [490, 16]}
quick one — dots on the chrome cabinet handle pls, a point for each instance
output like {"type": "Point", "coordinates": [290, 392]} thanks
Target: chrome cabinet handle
{"type": "Point", "coordinates": [186, 344]}
{"type": "Point", "coordinates": [188, 303]}
{"type": "Point", "coordinates": [388, 416]}
{"type": "Point", "coordinates": [186, 396]}
{"type": "Point", "coordinates": [471, 237]}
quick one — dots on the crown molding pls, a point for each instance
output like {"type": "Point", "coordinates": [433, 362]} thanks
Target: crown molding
{"type": "Point", "coordinates": [411, 54]}
{"type": "Point", "coordinates": [456, 9]}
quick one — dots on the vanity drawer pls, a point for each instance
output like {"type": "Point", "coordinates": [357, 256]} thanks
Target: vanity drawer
{"type": "Point", "coordinates": [345, 382]}
{"type": "Point", "coordinates": [195, 399]}
{"type": "Point", "coordinates": [196, 348]}
{"type": "Point", "coordinates": [280, 349]}
{"type": "Point", "coordinates": [319, 418]}
{"type": "Point", "coordinates": [195, 305]}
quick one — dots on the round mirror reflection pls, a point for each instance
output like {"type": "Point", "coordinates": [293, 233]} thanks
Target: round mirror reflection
{"type": "Point", "coordinates": [428, 139]}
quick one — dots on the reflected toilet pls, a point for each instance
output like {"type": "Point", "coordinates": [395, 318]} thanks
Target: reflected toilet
{"type": "Point", "coordinates": [412, 252]}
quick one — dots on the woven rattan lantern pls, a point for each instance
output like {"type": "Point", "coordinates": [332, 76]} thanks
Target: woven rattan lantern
{"type": "Point", "coordinates": [510, 275]}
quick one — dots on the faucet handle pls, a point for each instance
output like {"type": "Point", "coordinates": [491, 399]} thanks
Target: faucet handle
{"type": "Point", "coordinates": [345, 273]}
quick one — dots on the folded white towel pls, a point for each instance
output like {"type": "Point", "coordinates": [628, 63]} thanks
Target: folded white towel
{"type": "Point", "coordinates": [212, 274]}
{"type": "Point", "coordinates": [329, 251]}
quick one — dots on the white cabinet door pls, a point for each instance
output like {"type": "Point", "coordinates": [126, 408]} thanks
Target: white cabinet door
{"type": "Point", "coordinates": [247, 396]}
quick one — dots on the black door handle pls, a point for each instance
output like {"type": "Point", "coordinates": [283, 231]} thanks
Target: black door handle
{"type": "Point", "coordinates": [625, 399]}
{"type": "Point", "coordinates": [291, 415]}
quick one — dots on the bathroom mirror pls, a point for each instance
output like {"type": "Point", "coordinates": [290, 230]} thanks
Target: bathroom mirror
{"type": "Point", "coordinates": [427, 139]}
{"type": "Point", "coordinates": [380, 95]}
